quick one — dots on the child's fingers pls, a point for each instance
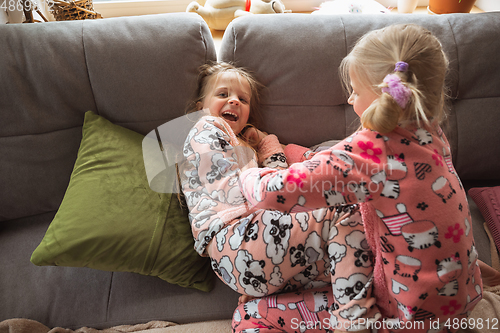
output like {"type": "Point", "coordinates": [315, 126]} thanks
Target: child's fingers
{"type": "Point", "coordinates": [253, 135]}
{"type": "Point", "coordinates": [260, 135]}
{"type": "Point", "coordinates": [244, 299]}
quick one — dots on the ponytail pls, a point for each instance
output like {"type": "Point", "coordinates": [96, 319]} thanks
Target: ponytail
{"type": "Point", "coordinates": [406, 66]}
{"type": "Point", "coordinates": [383, 115]}
{"type": "Point", "coordinates": [417, 106]}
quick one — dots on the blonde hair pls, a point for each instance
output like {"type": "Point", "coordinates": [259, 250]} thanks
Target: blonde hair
{"type": "Point", "coordinates": [375, 55]}
{"type": "Point", "coordinates": [212, 71]}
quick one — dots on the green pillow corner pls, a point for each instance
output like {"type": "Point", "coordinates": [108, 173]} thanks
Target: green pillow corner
{"type": "Point", "coordinates": [111, 220]}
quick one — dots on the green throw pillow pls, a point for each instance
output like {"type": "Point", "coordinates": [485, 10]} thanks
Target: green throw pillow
{"type": "Point", "coordinates": [111, 220]}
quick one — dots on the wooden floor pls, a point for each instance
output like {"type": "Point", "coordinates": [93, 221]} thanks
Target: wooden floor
{"type": "Point", "coordinates": [217, 34]}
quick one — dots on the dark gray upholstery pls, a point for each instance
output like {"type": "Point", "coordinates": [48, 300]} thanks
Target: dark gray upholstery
{"type": "Point", "coordinates": [140, 72]}
{"type": "Point", "coordinates": [296, 56]}
{"type": "Point", "coordinates": [76, 297]}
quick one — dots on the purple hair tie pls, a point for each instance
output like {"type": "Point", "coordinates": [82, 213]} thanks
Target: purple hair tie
{"type": "Point", "coordinates": [401, 66]}
{"type": "Point", "coordinates": [399, 92]}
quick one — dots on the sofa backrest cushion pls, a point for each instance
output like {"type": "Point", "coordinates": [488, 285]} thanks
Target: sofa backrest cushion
{"type": "Point", "coordinates": [138, 72]}
{"type": "Point", "coordinates": [296, 56]}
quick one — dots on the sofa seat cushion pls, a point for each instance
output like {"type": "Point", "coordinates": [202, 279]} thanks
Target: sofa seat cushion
{"type": "Point", "coordinates": [111, 220]}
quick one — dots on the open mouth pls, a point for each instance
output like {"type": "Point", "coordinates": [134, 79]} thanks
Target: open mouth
{"type": "Point", "coordinates": [230, 116]}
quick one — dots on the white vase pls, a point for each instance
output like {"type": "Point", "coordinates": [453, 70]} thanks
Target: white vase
{"type": "Point", "coordinates": [407, 6]}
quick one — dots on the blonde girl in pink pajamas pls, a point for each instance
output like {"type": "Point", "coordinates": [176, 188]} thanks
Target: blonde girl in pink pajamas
{"type": "Point", "coordinates": [397, 169]}
{"type": "Point", "coordinates": [256, 252]}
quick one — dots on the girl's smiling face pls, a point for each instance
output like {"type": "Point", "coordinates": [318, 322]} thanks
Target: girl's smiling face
{"type": "Point", "coordinates": [228, 96]}
{"type": "Point", "coordinates": [362, 96]}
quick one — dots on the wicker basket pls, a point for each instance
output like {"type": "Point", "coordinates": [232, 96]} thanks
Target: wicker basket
{"type": "Point", "coordinates": [73, 10]}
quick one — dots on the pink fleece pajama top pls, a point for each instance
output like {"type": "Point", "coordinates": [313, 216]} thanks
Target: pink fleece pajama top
{"type": "Point", "coordinates": [255, 252]}
{"type": "Point", "coordinates": [415, 215]}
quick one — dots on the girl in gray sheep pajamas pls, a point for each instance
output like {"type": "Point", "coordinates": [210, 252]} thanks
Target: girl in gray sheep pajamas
{"type": "Point", "coordinates": [256, 252]}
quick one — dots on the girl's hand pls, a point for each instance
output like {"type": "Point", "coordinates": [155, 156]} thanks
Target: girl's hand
{"type": "Point", "coordinates": [244, 299]}
{"type": "Point", "coordinates": [254, 136]}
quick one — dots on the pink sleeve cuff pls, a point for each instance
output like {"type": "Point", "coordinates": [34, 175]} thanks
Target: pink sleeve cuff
{"type": "Point", "coordinates": [268, 146]}
{"type": "Point", "coordinates": [295, 153]}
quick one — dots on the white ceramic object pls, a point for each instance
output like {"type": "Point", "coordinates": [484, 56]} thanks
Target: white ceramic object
{"type": "Point", "coordinates": [15, 14]}
{"type": "Point", "coordinates": [351, 7]}
{"type": "Point", "coordinates": [407, 6]}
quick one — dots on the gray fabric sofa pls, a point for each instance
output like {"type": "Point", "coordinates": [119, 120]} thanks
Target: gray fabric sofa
{"type": "Point", "coordinates": [140, 72]}
{"type": "Point", "coordinates": [298, 58]}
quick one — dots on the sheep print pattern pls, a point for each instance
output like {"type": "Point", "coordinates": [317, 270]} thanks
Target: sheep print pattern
{"type": "Point", "coordinates": [255, 252]}
{"type": "Point", "coordinates": [415, 216]}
